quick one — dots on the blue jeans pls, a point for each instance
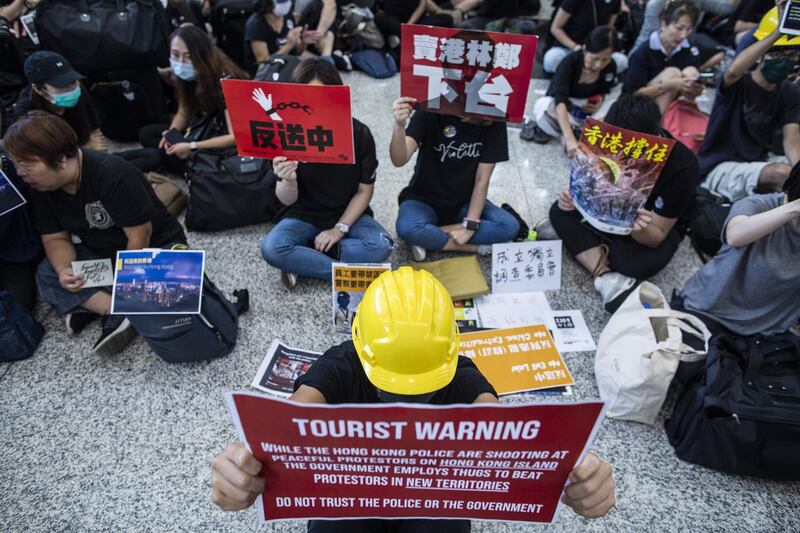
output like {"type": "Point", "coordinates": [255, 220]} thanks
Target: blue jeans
{"type": "Point", "coordinates": [51, 291]}
{"type": "Point", "coordinates": [417, 224]}
{"type": "Point", "coordinates": [289, 246]}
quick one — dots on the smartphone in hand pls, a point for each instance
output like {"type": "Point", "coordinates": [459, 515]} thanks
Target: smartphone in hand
{"type": "Point", "coordinates": [173, 136]}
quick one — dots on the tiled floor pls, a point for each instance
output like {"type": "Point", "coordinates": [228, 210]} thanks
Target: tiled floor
{"type": "Point", "coordinates": [94, 444]}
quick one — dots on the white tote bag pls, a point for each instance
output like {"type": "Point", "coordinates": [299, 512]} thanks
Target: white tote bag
{"type": "Point", "coordinates": [639, 351]}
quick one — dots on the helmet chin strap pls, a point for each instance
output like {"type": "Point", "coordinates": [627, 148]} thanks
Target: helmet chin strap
{"type": "Point", "coordinates": [388, 397]}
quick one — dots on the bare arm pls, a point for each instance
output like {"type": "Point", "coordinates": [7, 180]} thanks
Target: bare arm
{"type": "Point", "coordinates": [480, 190]}
{"type": "Point", "coordinates": [748, 57]}
{"type": "Point", "coordinates": [650, 229]}
{"type": "Point", "coordinates": [306, 394]}
{"type": "Point", "coordinates": [59, 250]}
{"type": "Point", "coordinates": [327, 16]}
{"type": "Point", "coordinates": [791, 142]}
{"type": "Point", "coordinates": [486, 397]}
{"type": "Point", "coordinates": [139, 236]}
{"type": "Point", "coordinates": [223, 141]}
{"type": "Point", "coordinates": [557, 29]}
{"type": "Point", "coordinates": [743, 230]}
{"type": "Point", "coordinates": [402, 147]}
{"type": "Point", "coordinates": [418, 12]}
{"type": "Point", "coordinates": [358, 203]}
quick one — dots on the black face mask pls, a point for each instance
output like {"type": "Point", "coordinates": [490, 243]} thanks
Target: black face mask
{"type": "Point", "coordinates": [388, 397]}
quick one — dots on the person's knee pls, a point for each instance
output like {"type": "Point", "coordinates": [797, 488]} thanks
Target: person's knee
{"type": "Point", "coordinates": [690, 72]}
{"type": "Point", "coordinates": [774, 175]}
{"type": "Point", "coordinates": [407, 226]}
{"type": "Point", "coordinates": [379, 245]}
{"type": "Point", "coordinates": [509, 227]}
{"type": "Point", "coordinates": [272, 247]}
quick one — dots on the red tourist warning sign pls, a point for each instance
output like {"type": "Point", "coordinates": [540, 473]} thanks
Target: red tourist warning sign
{"type": "Point", "coordinates": [467, 73]}
{"type": "Point", "coordinates": [490, 462]}
{"type": "Point", "coordinates": [302, 122]}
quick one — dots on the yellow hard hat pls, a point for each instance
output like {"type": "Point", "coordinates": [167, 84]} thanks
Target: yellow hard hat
{"type": "Point", "coordinates": [768, 23]}
{"type": "Point", "coordinates": [405, 333]}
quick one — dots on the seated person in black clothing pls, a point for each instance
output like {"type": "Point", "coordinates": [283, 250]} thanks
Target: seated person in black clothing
{"type": "Point", "coordinates": [20, 245]}
{"type": "Point", "coordinates": [577, 91]}
{"type": "Point", "coordinates": [427, 371]}
{"type": "Point", "coordinates": [93, 198]}
{"type": "Point", "coordinates": [618, 262]}
{"type": "Point", "coordinates": [573, 24]}
{"type": "Point", "coordinates": [749, 15]}
{"type": "Point", "coordinates": [271, 30]}
{"type": "Point", "coordinates": [393, 13]}
{"type": "Point", "coordinates": [328, 217]}
{"type": "Point", "coordinates": [493, 11]}
{"type": "Point", "coordinates": [666, 66]}
{"type": "Point", "coordinates": [55, 87]}
{"type": "Point", "coordinates": [750, 107]}
{"type": "Point", "coordinates": [201, 118]}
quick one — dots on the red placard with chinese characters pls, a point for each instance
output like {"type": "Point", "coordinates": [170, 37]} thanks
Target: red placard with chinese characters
{"type": "Point", "coordinates": [489, 462]}
{"type": "Point", "coordinates": [302, 122]}
{"type": "Point", "coordinates": [467, 73]}
{"type": "Point", "coordinates": [613, 172]}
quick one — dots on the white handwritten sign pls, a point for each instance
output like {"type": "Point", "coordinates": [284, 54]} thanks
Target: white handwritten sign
{"type": "Point", "coordinates": [97, 272]}
{"type": "Point", "coordinates": [526, 266]}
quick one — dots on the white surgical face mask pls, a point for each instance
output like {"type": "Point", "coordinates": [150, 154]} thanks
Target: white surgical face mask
{"type": "Point", "coordinates": [282, 8]}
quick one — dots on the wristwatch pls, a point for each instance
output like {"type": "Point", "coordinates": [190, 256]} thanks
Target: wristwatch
{"type": "Point", "coordinates": [193, 146]}
{"type": "Point", "coordinates": [344, 228]}
{"type": "Point", "coordinates": [472, 224]}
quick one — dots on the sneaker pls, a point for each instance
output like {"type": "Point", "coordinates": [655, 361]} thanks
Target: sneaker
{"type": "Point", "coordinates": [76, 322]}
{"type": "Point", "coordinates": [393, 41]}
{"type": "Point", "coordinates": [545, 231]}
{"type": "Point", "coordinates": [539, 136]}
{"type": "Point", "coordinates": [117, 333]}
{"type": "Point", "coordinates": [526, 131]}
{"type": "Point", "coordinates": [289, 280]}
{"type": "Point", "coordinates": [342, 61]}
{"type": "Point", "coordinates": [614, 288]}
{"type": "Point", "coordinates": [418, 252]}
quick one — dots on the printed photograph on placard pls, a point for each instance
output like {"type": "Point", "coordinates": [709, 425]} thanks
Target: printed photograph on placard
{"type": "Point", "coordinates": [10, 197]}
{"type": "Point", "coordinates": [613, 172]}
{"type": "Point", "coordinates": [281, 367]}
{"type": "Point", "coordinates": [158, 282]}
{"type": "Point", "coordinates": [349, 282]}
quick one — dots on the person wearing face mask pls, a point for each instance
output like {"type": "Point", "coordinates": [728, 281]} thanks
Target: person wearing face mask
{"type": "Point", "coordinates": [55, 87]}
{"type": "Point", "coordinates": [404, 349]}
{"type": "Point", "coordinates": [667, 66]}
{"type": "Point", "coordinates": [202, 118]}
{"type": "Point", "coordinates": [577, 91]}
{"type": "Point", "coordinates": [749, 108]}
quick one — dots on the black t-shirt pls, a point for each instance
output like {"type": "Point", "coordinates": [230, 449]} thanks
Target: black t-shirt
{"type": "Point", "coordinates": [82, 118]}
{"type": "Point", "coordinates": [495, 9]}
{"type": "Point", "coordinates": [113, 194]}
{"type": "Point", "coordinates": [674, 191]}
{"type": "Point", "coordinates": [400, 9]}
{"type": "Point", "coordinates": [325, 190]}
{"type": "Point", "coordinates": [649, 59]}
{"type": "Point", "coordinates": [258, 29]}
{"type": "Point", "coordinates": [450, 151]}
{"type": "Point", "coordinates": [565, 83]}
{"type": "Point", "coordinates": [743, 120]}
{"type": "Point", "coordinates": [754, 10]}
{"type": "Point", "coordinates": [586, 15]}
{"type": "Point", "coordinates": [339, 376]}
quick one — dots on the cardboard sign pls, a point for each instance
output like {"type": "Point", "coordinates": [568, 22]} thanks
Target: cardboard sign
{"type": "Point", "coordinates": [489, 462]}
{"type": "Point", "coordinates": [281, 368]}
{"type": "Point", "coordinates": [467, 73]}
{"type": "Point", "coordinates": [158, 282]}
{"type": "Point", "coordinates": [790, 23]}
{"type": "Point", "coordinates": [10, 197]}
{"type": "Point", "coordinates": [526, 266]}
{"type": "Point", "coordinates": [613, 172]}
{"type": "Point", "coordinates": [349, 282]}
{"type": "Point", "coordinates": [302, 122]}
{"type": "Point", "coordinates": [517, 359]}
{"type": "Point", "coordinates": [96, 272]}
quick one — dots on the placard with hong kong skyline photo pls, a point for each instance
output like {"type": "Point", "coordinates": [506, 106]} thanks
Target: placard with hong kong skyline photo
{"type": "Point", "coordinates": [10, 197]}
{"type": "Point", "coordinates": [163, 282]}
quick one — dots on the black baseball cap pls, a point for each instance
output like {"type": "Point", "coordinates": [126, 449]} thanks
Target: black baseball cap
{"type": "Point", "coordinates": [51, 68]}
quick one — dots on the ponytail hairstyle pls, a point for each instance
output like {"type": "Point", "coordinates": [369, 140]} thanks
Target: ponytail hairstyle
{"type": "Point", "coordinates": [601, 38]}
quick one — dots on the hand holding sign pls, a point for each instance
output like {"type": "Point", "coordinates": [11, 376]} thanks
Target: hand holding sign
{"type": "Point", "coordinates": [234, 479]}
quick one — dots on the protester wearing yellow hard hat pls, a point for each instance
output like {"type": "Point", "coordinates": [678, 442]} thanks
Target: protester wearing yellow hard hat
{"type": "Point", "coordinates": [769, 23]}
{"type": "Point", "coordinates": [404, 348]}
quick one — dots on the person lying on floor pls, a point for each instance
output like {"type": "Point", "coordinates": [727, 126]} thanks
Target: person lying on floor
{"type": "Point", "coordinates": [618, 262]}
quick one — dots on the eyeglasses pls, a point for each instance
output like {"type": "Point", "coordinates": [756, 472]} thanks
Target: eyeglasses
{"type": "Point", "coordinates": [27, 166]}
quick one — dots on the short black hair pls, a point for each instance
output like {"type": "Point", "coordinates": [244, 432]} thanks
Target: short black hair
{"type": "Point", "coordinates": [601, 38]}
{"type": "Point", "coordinates": [316, 68]}
{"type": "Point", "coordinates": [792, 184]}
{"type": "Point", "coordinates": [635, 112]}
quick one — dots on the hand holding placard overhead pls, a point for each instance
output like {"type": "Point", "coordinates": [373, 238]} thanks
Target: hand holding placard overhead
{"type": "Point", "coordinates": [301, 122]}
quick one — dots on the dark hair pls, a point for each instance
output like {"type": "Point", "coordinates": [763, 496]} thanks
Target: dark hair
{"type": "Point", "coordinates": [601, 38]}
{"type": "Point", "coordinates": [41, 135]}
{"type": "Point", "coordinates": [204, 92]}
{"type": "Point", "coordinates": [316, 68]}
{"type": "Point", "coordinates": [675, 9]}
{"type": "Point", "coordinates": [635, 112]}
{"type": "Point", "coordinates": [80, 115]}
{"type": "Point", "coordinates": [792, 184]}
{"type": "Point", "coordinates": [262, 7]}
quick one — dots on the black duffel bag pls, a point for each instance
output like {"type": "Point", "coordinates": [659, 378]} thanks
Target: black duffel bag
{"type": "Point", "coordinates": [97, 35]}
{"type": "Point", "coordinates": [740, 412]}
{"type": "Point", "coordinates": [228, 191]}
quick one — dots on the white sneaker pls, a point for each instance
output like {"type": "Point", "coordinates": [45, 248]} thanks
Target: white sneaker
{"type": "Point", "coordinates": [418, 252]}
{"type": "Point", "coordinates": [288, 279]}
{"type": "Point", "coordinates": [613, 288]}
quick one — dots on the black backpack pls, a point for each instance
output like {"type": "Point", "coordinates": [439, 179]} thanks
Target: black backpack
{"type": "Point", "coordinates": [277, 68]}
{"type": "Point", "coordinates": [705, 228]}
{"type": "Point", "coordinates": [20, 334]}
{"type": "Point", "coordinates": [126, 100]}
{"type": "Point", "coordinates": [228, 19]}
{"type": "Point", "coordinates": [187, 338]}
{"type": "Point", "coordinates": [740, 411]}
